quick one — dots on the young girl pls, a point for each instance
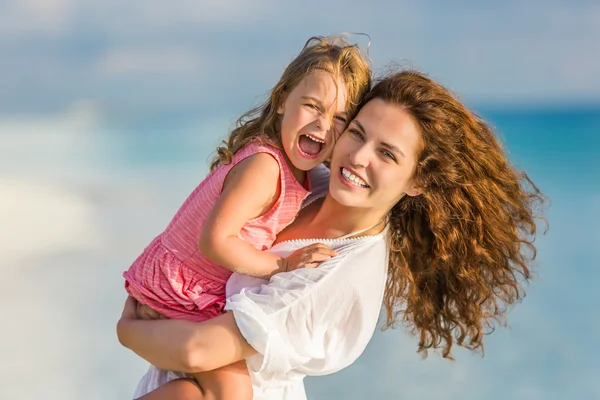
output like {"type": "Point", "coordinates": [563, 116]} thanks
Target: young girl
{"type": "Point", "coordinates": [256, 186]}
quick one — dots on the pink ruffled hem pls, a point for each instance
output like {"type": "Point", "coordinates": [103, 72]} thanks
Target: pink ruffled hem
{"type": "Point", "coordinates": [164, 283]}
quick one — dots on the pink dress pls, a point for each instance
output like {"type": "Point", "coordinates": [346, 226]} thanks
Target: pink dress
{"type": "Point", "coordinates": [174, 278]}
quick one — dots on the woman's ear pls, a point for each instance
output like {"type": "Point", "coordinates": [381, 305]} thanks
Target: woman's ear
{"type": "Point", "coordinates": [414, 191]}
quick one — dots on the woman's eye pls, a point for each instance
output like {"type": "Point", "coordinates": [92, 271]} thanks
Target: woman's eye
{"type": "Point", "coordinates": [309, 105]}
{"type": "Point", "coordinates": [389, 155]}
{"type": "Point", "coordinates": [356, 133]}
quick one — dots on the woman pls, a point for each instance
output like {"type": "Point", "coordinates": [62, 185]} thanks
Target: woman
{"type": "Point", "coordinates": [446, 236]}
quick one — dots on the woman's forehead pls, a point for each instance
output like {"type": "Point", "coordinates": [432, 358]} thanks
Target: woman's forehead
{"type": "Point", "coordinates": [389, 122]}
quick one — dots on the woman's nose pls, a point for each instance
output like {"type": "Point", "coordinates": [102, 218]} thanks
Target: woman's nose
{"type": "Point", "coordinates": [359, 157]}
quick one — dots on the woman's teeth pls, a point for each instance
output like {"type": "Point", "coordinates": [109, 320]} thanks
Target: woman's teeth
{"type": "Point", "coordinates": [350, 177]}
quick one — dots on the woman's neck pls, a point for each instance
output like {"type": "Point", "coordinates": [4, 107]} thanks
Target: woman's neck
{"type": "Point", "coordinates": [335, 219]}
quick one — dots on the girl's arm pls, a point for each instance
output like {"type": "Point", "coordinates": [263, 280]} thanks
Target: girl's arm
{"type": "Point", "coordinates": [180, 345]}
{"type": "Point", "coordinates": [251, 188]}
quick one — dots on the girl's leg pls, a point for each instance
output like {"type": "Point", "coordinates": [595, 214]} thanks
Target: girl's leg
{"type": "Point", "coordinates": [227, 383]}
{"type": "Point", "coordinates": [179, 389]}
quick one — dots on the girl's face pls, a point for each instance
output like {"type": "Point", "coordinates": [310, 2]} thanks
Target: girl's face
{"type": "Point", "coordinates": [375, 158]}
{"type": "Point", "coordinates": [313, 115]}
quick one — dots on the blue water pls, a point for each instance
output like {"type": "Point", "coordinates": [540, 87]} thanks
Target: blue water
{"type": "Point", "coordinates": [549, 351]}
{"type": "Point", "coordinates": [558, 141]}
{"type": "Point", "coordinates": [128, 176]}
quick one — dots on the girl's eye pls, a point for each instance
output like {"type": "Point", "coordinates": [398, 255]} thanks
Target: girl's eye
{"type": "Point", "coordinates": [340, 118]}
{"type": "Point", "coordinates": [314, 107]}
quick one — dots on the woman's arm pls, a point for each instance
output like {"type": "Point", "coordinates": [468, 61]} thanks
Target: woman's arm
{"type": "Point", "coordinates": [183, 345]}
{"type": "Point", "coordinates": [315, 320]}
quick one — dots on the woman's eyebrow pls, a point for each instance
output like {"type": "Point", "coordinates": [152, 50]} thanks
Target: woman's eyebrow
{"type": "Point", "coordinates": [393, 148]}
{"type": "Point", "coordinates": [388, 146]}
{"type": "Point", "coordinates": [357, 122]}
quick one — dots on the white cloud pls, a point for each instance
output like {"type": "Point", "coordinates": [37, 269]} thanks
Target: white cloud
{"type": "Point", "coordinates": [60, 17]}
{"type": "Point", "coordinates": [133, 61]}
{"type": "Point", "coordinates": [24, 17]}
{"type": "Point", "coordinates": [510, 51]}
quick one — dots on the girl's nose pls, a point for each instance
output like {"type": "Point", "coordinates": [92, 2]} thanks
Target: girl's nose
{"type": "Point", "coordinates": [323, 123]}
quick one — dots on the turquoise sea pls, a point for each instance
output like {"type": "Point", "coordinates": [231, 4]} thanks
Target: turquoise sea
{"type": "Point", "coordinates": [83, 195]}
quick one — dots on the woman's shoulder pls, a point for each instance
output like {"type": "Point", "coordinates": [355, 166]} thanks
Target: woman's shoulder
{"type": "Point", "coordinates": [356, 252]}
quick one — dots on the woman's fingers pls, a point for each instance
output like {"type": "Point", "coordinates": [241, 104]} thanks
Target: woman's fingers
{"type": "Point", "coordinates": [148, 313]}
{"type": "Point", "coordinates": [129, 309]}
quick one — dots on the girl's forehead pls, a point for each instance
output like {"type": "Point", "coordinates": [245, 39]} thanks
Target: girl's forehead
{"type": "Point", "coordinates": [324, 86]}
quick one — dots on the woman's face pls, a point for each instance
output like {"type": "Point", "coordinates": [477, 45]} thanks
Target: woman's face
{"type": "Point", "coordinates": [374, 159]}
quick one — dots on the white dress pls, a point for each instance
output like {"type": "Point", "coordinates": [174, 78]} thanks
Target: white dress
{"type": "Point", "coordinates": [310, 321]}
{"type": "Point", "coordinates": [305, 322]}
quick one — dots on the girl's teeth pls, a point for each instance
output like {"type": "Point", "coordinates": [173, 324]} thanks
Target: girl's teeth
{"type": "Point", "coordinates": [315, 139]}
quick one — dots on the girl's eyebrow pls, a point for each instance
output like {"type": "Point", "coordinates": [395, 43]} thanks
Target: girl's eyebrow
{"type": "Point", "coordinates": [318, 102]}
{"type": "Point", "coordinates": [320, 105]}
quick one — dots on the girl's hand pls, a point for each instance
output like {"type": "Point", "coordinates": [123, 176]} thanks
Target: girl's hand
{"type": "Point", "coordinates": [308, 257]}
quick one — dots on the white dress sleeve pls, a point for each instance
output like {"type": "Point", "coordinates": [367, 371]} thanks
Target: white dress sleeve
{"type": "Point", "coordinates": [314, 321]}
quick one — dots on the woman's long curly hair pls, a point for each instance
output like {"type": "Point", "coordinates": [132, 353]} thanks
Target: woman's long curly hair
{"type": "Point", "coordinates": [332, 54]}
{"type": "Point", "coordinates": [461, 251]}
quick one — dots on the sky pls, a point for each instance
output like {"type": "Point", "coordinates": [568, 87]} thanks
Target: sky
{"type": "Point", "coordinates": [130, 57]}
{"type": "Point", "coordinates": [108, 114]}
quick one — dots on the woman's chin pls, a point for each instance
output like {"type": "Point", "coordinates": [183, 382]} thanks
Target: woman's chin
{"type": "Point", "coordinates": [345, 198]}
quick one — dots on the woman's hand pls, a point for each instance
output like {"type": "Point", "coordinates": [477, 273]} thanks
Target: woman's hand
{"type": "Point", "coordinates": [308, 257]}
{"type": "Point", "coordinates": [182, 345]}
{"type": "Point", "coordinates": [130, 308]}
{"type": "Point", "coordinates": [136, 310]}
